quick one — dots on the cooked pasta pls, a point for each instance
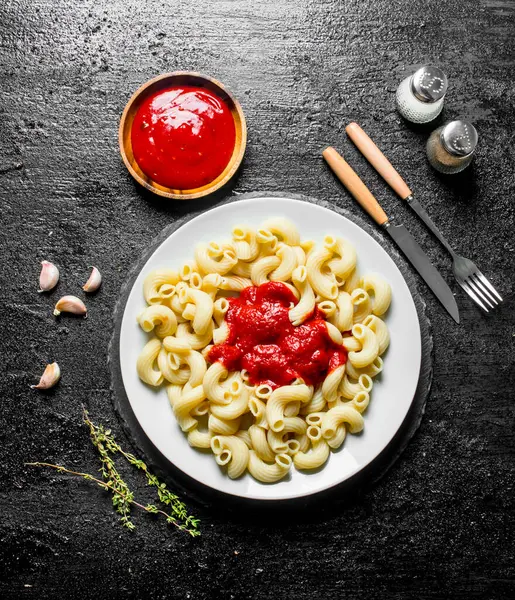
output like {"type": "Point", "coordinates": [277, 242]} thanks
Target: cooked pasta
{"type": "Point", "coordinates": [249, 422]}
{"type": "Point", "coordinates": [159, 318]}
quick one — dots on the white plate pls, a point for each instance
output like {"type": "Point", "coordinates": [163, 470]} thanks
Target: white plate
{"type": "Point", "coordinates": [392, 394]}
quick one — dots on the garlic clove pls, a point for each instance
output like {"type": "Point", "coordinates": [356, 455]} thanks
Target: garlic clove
{"type": "Point", "coordinates": [48, 277]}
{"type": "Point", "coordinates": [70, 304]}
{"type": "Point", "coordinates": [50, 377]}
{"type": "Point", "coordinates": [94, 281]}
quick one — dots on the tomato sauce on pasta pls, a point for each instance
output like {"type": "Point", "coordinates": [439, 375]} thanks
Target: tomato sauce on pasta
{"type": "Point", "coordinates": [263, 341]}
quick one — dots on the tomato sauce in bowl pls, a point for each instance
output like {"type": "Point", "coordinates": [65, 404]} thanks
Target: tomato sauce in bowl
{"type": "Point", "coordinates": [183, 137]}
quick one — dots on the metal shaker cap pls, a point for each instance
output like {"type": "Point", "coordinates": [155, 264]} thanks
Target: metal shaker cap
{"type": "Point", "coordinates": [429, 84]}
{"type": "Point", "coordinates": [459, 138]}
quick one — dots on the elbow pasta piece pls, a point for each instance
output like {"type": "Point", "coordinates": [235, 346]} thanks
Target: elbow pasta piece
{"type": "Point", "coordinates": [362, 305]}
{"type": "Point", "coordinates": [332, 382]}
{"type": "Point", "coordinates": [244, 435]}
{"type": "Point", "coordinates": [361, 401]}
{"type": "Point", "coordinates": [221, 334]}
{"type": "Point", "coordinates": [338, 415]}
{"type": "Point", "coordinates": [212, 383]}
{"type": "Point", "coordinates": [328, 307]}
{"type": "Point", "coordinates": [369, 347]}
{"type": "Point", "coordinates": [258, 409]}
{"type": "Point", "coordinates": [324, 284]}
{"type": "Point", "coordinates": [260, 443]}
{"type": "Point", "coordinates": [203, 313]}
{"type": "Point", "coordinates": [189, 399]}
{"type": "Point", "coordinates": [199, 439]}
{"type": "Point", "coordinates": [197, 364]}
{"type": "Point", "coordinates": [343, 316]}
{"type": "Point", "coordinates": [233, 283]}
{"type": "Point", "coordinates": [177, 308]}
{"type": "Point", "coordinates": [292, 409]}
{"type": "Point", "coordinates": [352, 282]}
{"type": "Point", "coordinates": [213, 259]}
{"type": "Point", "coordinates": [278, 441]}
{"type": "Point", "coordinates": [146, 361]}
{"type": "Point", "coordinates": [201, 410]}
{"type": "Point", "coordinates": [351, 344]}
{"type": "Point", "coordinates": [372, 370]}
{"type": "Point", "coordinates": [283, 229]}
{"type": "Point", "coordinates": [269, 473]}
{"type": "Point", "coordinates": [159, 318]}
{"type": "Point", "coordinates": [189, 312]}
{"type": "Point", "coordinates": [220, 308]}
{"type": "Point", "coordinates": [187, 270]}
{"type": "Point", "coordinates": [238, 451]}
{"type": "Point", "coordinates": [211, 284]}
{"type": "Point", "coordinates": [237, 407]}
{"type": "Point", "coordinates": [263, 391]}
{"type": "Point", "coordinates": [343, 266]}
{"type": "Point", "coordinates": [176, 345]}
{"type": "Point", "coordinates": [294, 425]}
{"type": "Point", "coordinates": [338, 438]}
{"type": "Point", "coordinates": [316, 404]}
{"type": "Point", "coordinates": [301, 255]}
{"type": "Point", "coordinates": [304, 442]}
{"type": "Point", "coordinates": [304, 308]}
{"type": "Point", "coordinates": [194, 340]}
{"type": "Point", "coordinates": [245, 243]}
{"type": "Point", "coordinates": [155, 281]}
{"type": "Point", "coordinates": [173, 392]}
{"type": "Point", "coordinates": [267, 241]}
{"type": "Point", "coordinates": [314, 458]}
{"type": "Point", "coordinates": [280, 398]}
{"type": "Point", "coordinates": [262, 268]}
{"type": "Point", "coordinates": [242, 269]}
{"type": "Point", "coordinates": [293, 446]}
{"type": "Point", "coordinates": [169, 365]}
{"type": "Point", "coordinates": [195, 281]}
{"type": "Point", "coordinates": [288, 263]}
{"type": "Point", "coordinates": [348, 389]}
{"type": "Point", "coordinates": [334, 334]}
{"type": "Point", "coordinates": [307, 246]}
{"type": "Point", "coordinates": [221, 426]}
{"type": "Point", "coordinates": [378, 326]}
{"type": "Point", "coordinates": [381, 290]}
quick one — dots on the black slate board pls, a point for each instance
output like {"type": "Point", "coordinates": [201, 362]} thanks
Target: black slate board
{"type": "Point", "coordinates": [349, 489]}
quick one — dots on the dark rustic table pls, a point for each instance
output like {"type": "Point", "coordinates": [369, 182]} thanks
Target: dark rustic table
{"type": "Point", "coordinates": [440, 523]}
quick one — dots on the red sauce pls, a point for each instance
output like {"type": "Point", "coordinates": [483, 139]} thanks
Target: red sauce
{"type": "Point", "coordinates": [263, 341]}
{"type": "Point", "coordinates": [183, 137]}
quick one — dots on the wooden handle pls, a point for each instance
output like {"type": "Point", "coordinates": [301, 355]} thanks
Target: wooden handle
{"type": "Point", "coordinates": [378, 160]}
{"type": "Point", "coordinates": [353, 183]}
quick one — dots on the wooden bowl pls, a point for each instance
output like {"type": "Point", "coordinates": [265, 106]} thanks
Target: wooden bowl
{"type": "Point", "coordinates": [165, 81]}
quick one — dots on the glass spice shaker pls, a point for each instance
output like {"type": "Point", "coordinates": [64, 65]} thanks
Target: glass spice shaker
{"type": "Point", "coordinates": [420, 96]}
{"type": "Point", "coordinates": [450, 148]}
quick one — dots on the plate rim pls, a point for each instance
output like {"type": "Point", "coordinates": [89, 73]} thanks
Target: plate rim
{"type": "Point", "coordinates": [418, 304]}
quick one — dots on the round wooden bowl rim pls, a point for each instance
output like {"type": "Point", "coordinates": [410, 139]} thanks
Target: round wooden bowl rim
{"type": "Point", "coordinates": [209, 188]}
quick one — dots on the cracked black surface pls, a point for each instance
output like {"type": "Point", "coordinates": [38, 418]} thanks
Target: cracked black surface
{"type": "Point", "coordinates": [441, 522]}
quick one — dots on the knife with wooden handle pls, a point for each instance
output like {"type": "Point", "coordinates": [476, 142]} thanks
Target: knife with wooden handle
{"type": "Point", "coordinates": [398, 233]}
{"type": "Point", "coordinates": [384, 167]}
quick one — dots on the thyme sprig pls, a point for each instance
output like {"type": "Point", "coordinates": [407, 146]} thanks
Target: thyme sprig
{"type": "Point", "coordinates": [127, 497]}
{"type": "Point", "coordinates": [103, 440]}
{"type": "Point", "coordinates": [123, 498]}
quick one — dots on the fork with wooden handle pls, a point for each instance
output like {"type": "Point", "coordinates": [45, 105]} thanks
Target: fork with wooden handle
{"type": "Point", "coordinates": [465, 271]}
